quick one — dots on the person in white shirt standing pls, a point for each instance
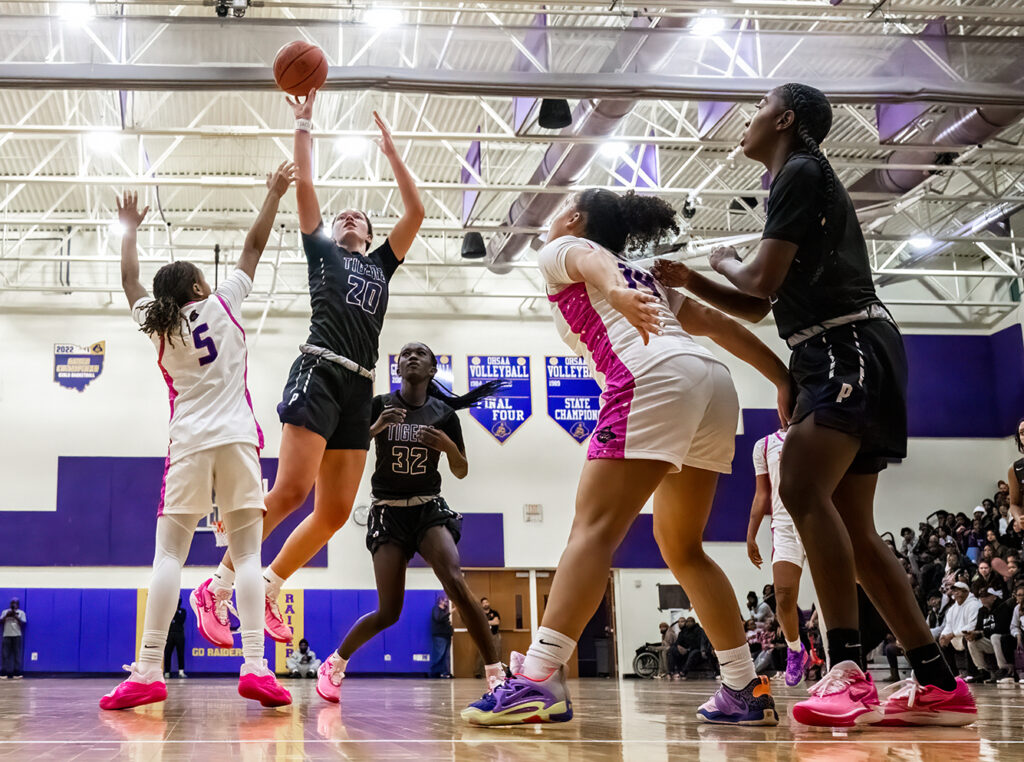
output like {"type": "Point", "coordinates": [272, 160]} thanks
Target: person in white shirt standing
{"type": "Point", "coordinates": [787, 551]}
{"type": "Point", "coordinates": [214, 446]}
{"type": "Point", "coordinates": [13, 619]}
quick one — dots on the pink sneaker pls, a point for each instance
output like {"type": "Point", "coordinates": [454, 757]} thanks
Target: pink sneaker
{"type": "Point", "coordinates": [910, 703]}
{"type": "Point", "coordinates": [137, 690]}
{"type": "Point", "coordinates": [259, 684]}
{"type": "Point", "coordinates": [843, 698]}
{"type": "Point", "coordinates": [328, 679]}
{"type": "Point", "coordinates": [212, 614]}
{"type": "Point", "coordinates": [274, 623]}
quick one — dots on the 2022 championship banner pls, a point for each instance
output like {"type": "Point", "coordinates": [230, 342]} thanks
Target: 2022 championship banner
{"type": "Point", "coordinates": [444, 372]}
{"type": "Point", "coordinates": [574, 397]}
{"type": "Point", "coordinates": [505, 412]}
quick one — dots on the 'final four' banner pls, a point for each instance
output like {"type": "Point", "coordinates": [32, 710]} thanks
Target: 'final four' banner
{"type": "Point", "coordinates": [573, 396]}
{"type": "Point", "coordinates": [505, 412]}
{"type": "Point", "coordinates": [444, 371]}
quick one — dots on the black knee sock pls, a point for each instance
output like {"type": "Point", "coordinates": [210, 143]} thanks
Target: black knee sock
{"type": "Point", "coordinates": [844, 645]}
{"type": "Point", "coordinates": [930, 668]}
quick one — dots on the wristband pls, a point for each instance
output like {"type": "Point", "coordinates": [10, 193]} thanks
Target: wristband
{"type": "Point", "coordinates": [303, 125]}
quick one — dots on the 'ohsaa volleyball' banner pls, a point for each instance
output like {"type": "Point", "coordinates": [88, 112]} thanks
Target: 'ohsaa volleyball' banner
{"type": "Point", "coordinates": [574, 398]}
{"type": "Point", "coordinates": [74, 367]}
{"type": "Point", "coordinates": [444, 372]}
{"type": "Point", "coordinates": [505, 412]}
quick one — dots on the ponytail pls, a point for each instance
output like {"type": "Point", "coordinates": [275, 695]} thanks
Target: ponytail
{"type": "Point", "coordinates": [471, 399]}
{"type": "Point", "coordinates": [813, 120]}
{"type": "Point", "coordinates": [627, 222]}
{"type": "Point", "coordinates": [172, 290]}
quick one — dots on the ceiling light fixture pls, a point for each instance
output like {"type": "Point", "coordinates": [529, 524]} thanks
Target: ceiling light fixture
{"type": "Point", "coordinates": [76, 11]}
{"type": "Point", "coordinates": [707, 24]}
{"type": "Point", "coordinates": [383, 18]}
{"type": "Point", "coordinates": [614, 148]}
{"type": "Point", "coordinates": [920, 242]}
{"type": "Point", "coordinates": [102, 141]}
{"type": "Point", "coordinates": [351, 145]}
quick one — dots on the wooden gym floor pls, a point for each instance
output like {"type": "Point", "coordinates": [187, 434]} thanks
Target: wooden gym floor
{"type": "Point", "coordinates": [410, 719]}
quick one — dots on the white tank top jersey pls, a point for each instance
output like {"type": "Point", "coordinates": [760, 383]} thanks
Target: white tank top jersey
{"type": "Point", "coordinates": [206, 372]}
{"type": "Point", "coordinates": [593, 329]}
{"type": "Point", "coordinates": [767, 455]}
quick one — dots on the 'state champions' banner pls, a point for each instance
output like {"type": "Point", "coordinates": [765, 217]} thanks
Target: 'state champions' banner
{"type": "Point", "coordinates": [444, 372]}
{"type": "Point", "coordinates": [74, 367]}
{"type": "Point", "coordinates": [505, 412]}
{"type": "Point", "coordinates": [573, 396]}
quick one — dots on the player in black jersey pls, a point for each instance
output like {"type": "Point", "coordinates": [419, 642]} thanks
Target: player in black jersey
{"type": "Point", "coordinates": [325, 410]}
{"type": "Point", "coordinates": [849, 369]}
{"type": "Point", "coordinates": [411, 429]}
{"type": "Point", "coordinates": [1015, 478]}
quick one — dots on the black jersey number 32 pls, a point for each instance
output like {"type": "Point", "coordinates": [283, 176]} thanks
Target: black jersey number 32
{"type": "Point", "coordinates": [410, 460]}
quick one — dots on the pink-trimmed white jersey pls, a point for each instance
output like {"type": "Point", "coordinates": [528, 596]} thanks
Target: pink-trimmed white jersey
{"type": "Point", "coordinates": [593, 329]}
{"type": "Point", "coordinates": [767, 456]}
{"type": "Point", "coordinates": [206, 372]}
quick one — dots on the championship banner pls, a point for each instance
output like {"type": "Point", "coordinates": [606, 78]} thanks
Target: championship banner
{"type": "Point", "coordinates": [444, 372]}
{"type": "Point", "coordinates": [573, 396]}
{"type": "Point", "coordinates": [74, 366]}
{"type": "Point", "coordinates": [507, 410]}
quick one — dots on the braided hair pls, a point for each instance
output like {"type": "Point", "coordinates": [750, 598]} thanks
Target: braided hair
{"type": "Point", "coordinates": [1016, 435]}
{"type": "Point", "coordinates": [625, 222]}
{"type": "Point", "coordinates": [812, 121]}
{"type": "Point", "coordinates": [461, 401]}
{"type": "Point", "coordinates": [172, 290]}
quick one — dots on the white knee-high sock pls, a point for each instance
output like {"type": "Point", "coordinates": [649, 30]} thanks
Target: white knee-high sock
{"type": "Point", "coordinates": [173, 539]}
{"type": "Point", "coordinates": [737, 667]}
{"type": "Point", "coordinates": [274, 583]}
{"type": "Point", "coordinates": [548, 651]}
{"type": "Point", "coordinates": [245, 535]}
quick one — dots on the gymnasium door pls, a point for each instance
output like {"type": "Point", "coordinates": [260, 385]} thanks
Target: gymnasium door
{"type": "Point", "coordinates": [508, 591]}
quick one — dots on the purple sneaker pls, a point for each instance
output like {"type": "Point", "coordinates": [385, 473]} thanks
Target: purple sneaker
{"type": "Point", "coordinates": [796, 663]}
{"type": "Point", "coordinates": [753, 705]}
{"type": "Point", "coordinates": [521, 700]}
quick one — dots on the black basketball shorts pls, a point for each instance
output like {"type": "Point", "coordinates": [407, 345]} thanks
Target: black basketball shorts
{"type": "Point", "coordinates": [328, 400]}
{"type": "Point", "coordinates": [406, 525]}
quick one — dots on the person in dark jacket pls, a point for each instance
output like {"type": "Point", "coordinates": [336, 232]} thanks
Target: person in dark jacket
{"type": "Point", "coordinates": [441, 638]}
{"type": "Point", "coordinates": [176, 641]}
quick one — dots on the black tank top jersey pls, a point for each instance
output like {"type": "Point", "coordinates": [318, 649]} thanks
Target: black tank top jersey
{"type": "Point", "coordinates": [1018, 473]}
{"type": "Point", "coordinates": [405, 467]}
{"type": "Point", "coordinates": [819, 285]}
{"type": "Point", "coordinates": [348, 293]}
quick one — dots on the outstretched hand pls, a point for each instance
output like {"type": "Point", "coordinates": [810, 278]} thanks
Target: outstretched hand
{"type": "Point", "coordinates": [720, 255]}
{"type": "Point", "coordinates": [279, 180]}
{"type": "Point", "coordinates": [303, 108]}
{"type": "Point", "coordinates": [128, 213]}
{"type": "Point", "coordinates": [639, 308]}
{"type": "Point", "coordinates": [384, 142]}
{"type": "Point", "coordinates": [671, 274]}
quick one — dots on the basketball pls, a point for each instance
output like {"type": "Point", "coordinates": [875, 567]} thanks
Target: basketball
{"type": "Point", "coordinates": [299, 67]}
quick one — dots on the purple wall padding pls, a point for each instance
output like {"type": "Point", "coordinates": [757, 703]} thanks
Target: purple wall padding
{"type": "Point", "coordinates": [106, 516]}
{"type": "Point", "coordinates": [482, 543]}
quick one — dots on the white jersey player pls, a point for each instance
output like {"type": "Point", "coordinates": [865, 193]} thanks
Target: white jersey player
{"type": "Point", "coordinates": [787, 550]}
{"type": "Point", "coordinates": [213, 449]}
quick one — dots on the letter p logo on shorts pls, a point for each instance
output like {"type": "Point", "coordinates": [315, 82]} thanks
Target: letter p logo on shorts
{"type": "Point", "coordinates": [845, 391]}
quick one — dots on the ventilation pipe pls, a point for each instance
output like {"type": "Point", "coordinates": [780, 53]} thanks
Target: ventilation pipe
{"type": "Point", "coordinates": [564, 164]}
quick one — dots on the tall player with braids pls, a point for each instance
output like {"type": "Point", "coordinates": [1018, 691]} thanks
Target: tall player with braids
{"type": "Point", "coordinates": [214, 444]}
{"type": "Point", "coordinates": [849, 369]}
{"type": "Point", "coordinates": [412, 428]}
{"type": "Point", "coordinates": [666, 427]}
{"type": "Point", "coordinates": [325, 410]}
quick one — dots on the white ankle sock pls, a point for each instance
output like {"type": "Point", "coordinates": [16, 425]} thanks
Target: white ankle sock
{"type": "Point", "coordinates": [793, 645]}
{"type": "Point", "coordinates": [548, 651]}
{"type": "Point", "coordinates": [252, 646]}
{"type": "Point", "coordinates": [223, 578]}
{"type": "Point", "coordinates": [151, 653]}
{"type": "Point", "coordinates": [339, 661]}
{"type": "Point", "coordinates": [737, 667]}
{"type": "Point", "coordinates": [274, 583]}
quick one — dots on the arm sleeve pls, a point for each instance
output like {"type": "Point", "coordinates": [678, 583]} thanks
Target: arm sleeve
{"type": "Point", "coordinates": [794, 204]}
{"type": "Point", "coordinates": [551, 259]}
{"type": "Point", "coordinates": [453, 429]}
{"type": "Point", "coordinates": [234, 289]}
{"type": "Point", "coordinates": [139, 309]}
{"type": "Point", "coordinates": [760, 460]}
{"type": "Point", "coordinates": [386, 258]}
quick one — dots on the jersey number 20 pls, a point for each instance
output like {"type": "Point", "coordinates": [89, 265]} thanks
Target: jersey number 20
{"type": "Point", "coordinates": [410, 460]}
{"type": "Point", "coordinates": [204, 342]}
{"type": "Point", "coordinates": [363, 293]}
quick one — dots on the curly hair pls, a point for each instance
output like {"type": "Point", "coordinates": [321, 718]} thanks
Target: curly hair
{"type": "Point", "coordinates": [627, 222]}
{"type": "Point", "coordinates": [813, 121]}
{"type": "Point", "coordinates": [172, 290]}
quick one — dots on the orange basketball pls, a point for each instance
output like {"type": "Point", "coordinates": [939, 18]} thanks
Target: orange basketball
{"type": "Point", "coordinates": [299, 67]}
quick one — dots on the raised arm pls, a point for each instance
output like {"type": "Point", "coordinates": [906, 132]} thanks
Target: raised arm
{"type": "Point", "coordinates": [130, 217]}
{"type": "Point", "coordinates": [277, 184]}
{"type": "Point", "coordinates": [698, 320]}
{"type": "Point", "coordinates": [760, 506]}
{"type": "Point", "coordinates": [305, 193]}
{"type": "Point", "coordinates": [404, 232]}
{"type": "Point", "coordinates": [722, 296]}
